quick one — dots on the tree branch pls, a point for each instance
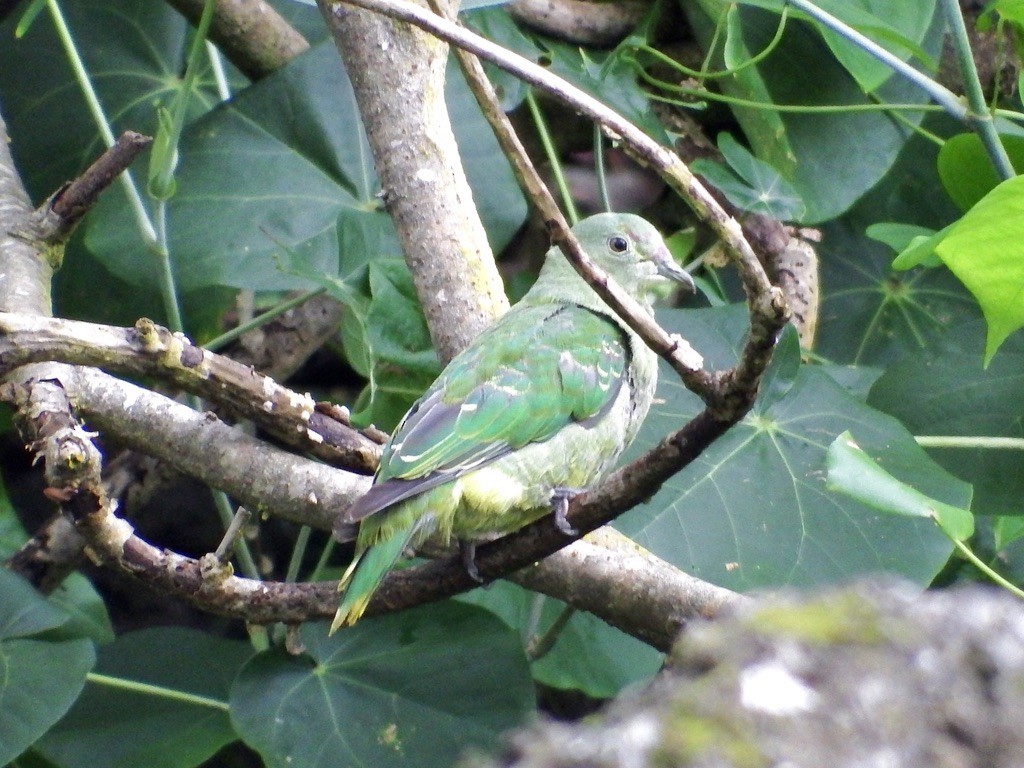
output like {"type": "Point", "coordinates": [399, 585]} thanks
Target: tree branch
{"type": "Point", "coordinates": [397, 74]}
{"type": "Point", "coordinates": [250, 33]}
{"type": "Point", "coordinates": [151, 350]}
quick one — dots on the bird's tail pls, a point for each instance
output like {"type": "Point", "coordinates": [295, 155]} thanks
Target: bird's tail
{"type": "Point", "coordinates": [365, 574]}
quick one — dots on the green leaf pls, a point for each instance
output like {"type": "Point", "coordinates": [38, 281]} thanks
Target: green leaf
{"type": "Point", "coordinates": [945, 391]}
{"type": "Point", "coordinates": [134, 51]}
{"type": "Point", "coordinates": [24, 612]}
{"type": "Point", "coordinates": [751, 184]}
{"type": "Point", "coordinates": [611, 78]}
{"type": "Point", "coordinates": [831, 159]}
{"type": "Point", "coordinates": [986, 251]}
{"type": "Point", "coordinates": [39, 678]}
{"type": "Point", "coordinates": [178, 722]}
{"type": "Point", "coordinates": [589, 655]}
{"type": "Point", "coordinates": [899, 27]}
{"type": "Point", "coordinates": [871, 314]}
{"type": "Point", "coordinates": [920, 251]}
{"type": "Point", "coordinates": [288, 169]}
{"type": "Point", "coordinates": [897, 236]}
{"type": "Point", "coordinates": [853, 472]}
{"type": "Point", "coordinates": [966, 170]}
{"type": "Point", "coordinates": [86, 611]}
{"type": "Point", "coordinates": [753, 511]}
{"type": "Point", "coordinates": [1007, 530]}
{"type": "Point", "coordinates": [79, 611]}
{"type": "Point", "coordinates": [386, 340]}
{"type": "Point", "coordinates": [409, 689]}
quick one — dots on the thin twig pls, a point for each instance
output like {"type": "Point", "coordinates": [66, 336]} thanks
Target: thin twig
{"type": "Point", "coordinates": [56, 219]}
{"type": "Point", "coordinates": [227, 544]}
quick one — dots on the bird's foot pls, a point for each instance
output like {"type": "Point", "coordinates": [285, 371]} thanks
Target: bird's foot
{"type": "Point", "coordinates": [560, 504]}
{"type": "Point", "coordinates": [467, 551]}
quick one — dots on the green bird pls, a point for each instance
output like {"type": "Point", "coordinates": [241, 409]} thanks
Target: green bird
{"type": "Point", "coordinates": [535, 410]}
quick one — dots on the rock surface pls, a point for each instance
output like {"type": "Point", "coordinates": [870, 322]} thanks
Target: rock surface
{"type": "Point", "coordinates": [869, 676]}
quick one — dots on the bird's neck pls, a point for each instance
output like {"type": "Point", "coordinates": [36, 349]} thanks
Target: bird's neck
{"type": "Point", "coordinates": [559, 283]}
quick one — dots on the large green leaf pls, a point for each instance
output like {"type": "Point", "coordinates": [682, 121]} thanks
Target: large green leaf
{"type": "Point", "coordinates": [39, 678]}
{"type": "Point", "coordinates": [134, 51]}
{"type": "Point", "coordinates": [898, 27]}
{"type": "Point", "coordinates": [409, 689]}
{"type": "Point", "coordinates": [179, 722]}
{"type": "Point", "coordinates": [946, 391]}
{"type": "Point", "coordinates": [831, 158]}
{"type": "Point", "coordinates": [283, 173]}
{"type": "Point", "coordinates": [753, 511]}
{"type": "Point", "coordinates": [871, 313]}
{"type": "Point", "coordinates": [985, 249]}
{"type": "Point", "coordinates": [589, 655]}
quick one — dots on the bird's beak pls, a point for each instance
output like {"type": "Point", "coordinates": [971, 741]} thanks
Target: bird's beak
{"type": "Point", "coordinates": [667, 267]}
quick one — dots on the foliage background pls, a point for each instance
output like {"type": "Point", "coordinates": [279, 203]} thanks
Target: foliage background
{"type": "Point", "coordinates": [276, 190]}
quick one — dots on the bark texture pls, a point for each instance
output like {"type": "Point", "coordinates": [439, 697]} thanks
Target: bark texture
{"type": "Point", "coordinates": [397, 73]}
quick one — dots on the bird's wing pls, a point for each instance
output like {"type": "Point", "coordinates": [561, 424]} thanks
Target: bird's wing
{"type": "Point", "coordinates": [533, 372]}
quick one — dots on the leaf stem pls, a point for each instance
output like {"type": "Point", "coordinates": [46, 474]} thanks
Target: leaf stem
{"type": "Point", "coordinates": [549, 150]}
{"type": "Point", "coordinates": [602, 178]}
{"type": "Point", "coordinates": [978, 117]}
{"type": "Point", "coordinates": [159, 691]}
{"type": "Point", "coordinates": [704, 94]}
{"type": "Point", "coordinates": [142, 218]}
{"type": "Point", "coordinates": [981, 566]}
{"type": "Point", "coordinates": [261, 319]}
{"type": "Point", "coordinates": [321, 564]}
{"type": "Point", "coordinates": [219, 75]}
{"type": "Point", "coordinates": [539, 647]}
{"type": "Point", "coordinates": [168, 284]}
{"type": "Point", "coordinates": [968, 441]}
{"type": "Point", "coordinates": [298, 553]}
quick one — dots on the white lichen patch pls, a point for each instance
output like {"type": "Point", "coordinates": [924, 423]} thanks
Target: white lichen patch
{"type": "Point", "coordinates": [771, 688]}
{"type": "Point", "coordinates": [303, 403]}
{"type": "Point", "coordinates": [426, 175]}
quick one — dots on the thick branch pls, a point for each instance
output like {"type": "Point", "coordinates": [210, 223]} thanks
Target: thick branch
{"type": "Point", "coordinates": [150, 350]}
{"type": "Point", "coordinates": [26, 273]}
{"type": "Point", "coordinates": [250, 33]}
{"type": "Point", "coordinates": [252, 472]}
{"type": "Point", "coordinates": [397, 73]}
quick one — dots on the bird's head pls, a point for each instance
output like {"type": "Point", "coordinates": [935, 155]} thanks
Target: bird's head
{"type": "Point", "coordinates": [631, 251]}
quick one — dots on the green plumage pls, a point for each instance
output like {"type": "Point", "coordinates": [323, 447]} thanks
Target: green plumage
{"type": "Point", "coordinates": [544, 400]}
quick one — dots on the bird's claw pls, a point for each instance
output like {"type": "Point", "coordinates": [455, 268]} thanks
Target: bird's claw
{"type": "Point", "coordinates": [560, 504]}
{"type": "Point", "coordinates": [467, 551]}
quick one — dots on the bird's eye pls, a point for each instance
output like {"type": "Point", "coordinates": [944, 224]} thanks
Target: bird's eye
{"type": "Point", "coordinates": [618, 244]}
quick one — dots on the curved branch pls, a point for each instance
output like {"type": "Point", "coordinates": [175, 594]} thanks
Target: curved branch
{"type": "Point", "coordinates": [255, 474]}
{"type": "Point", "coordinates": [151, 350]}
